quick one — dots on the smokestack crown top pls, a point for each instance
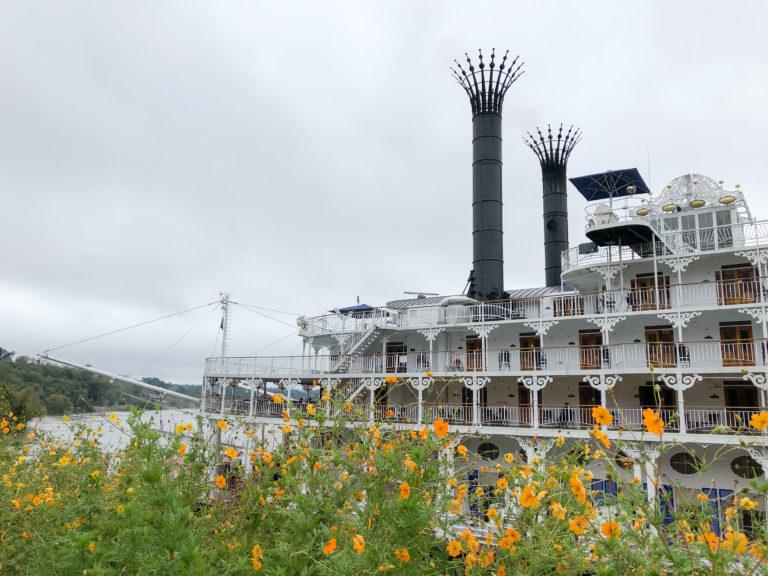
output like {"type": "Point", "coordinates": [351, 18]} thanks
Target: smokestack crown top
{"type": "Point", "coordinates": [486, 89]}
{"type": "Point", "coordinates": [553, 151]}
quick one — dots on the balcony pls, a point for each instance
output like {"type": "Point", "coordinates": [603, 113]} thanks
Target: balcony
{"type": "Point", "coordinates": [691, 296]}
{"type": "Point", "coordinates": [728, 237]}
{"type": "Point", "coordinates": [704, 356]}
{"type": "Point", "coordinates": [700, 420]}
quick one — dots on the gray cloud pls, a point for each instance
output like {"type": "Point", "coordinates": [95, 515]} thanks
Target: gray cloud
{"type": "Point", "coordinates": [299, 154]}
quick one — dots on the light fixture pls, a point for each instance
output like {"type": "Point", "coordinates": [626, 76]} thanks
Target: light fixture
{"type": "Point", "coordinates": [642, 211]}
{"type": "Point", "coordinates": [671, 207]}
{"type": "Point", "coordinates": [631, 189]}
{"type": "Point", "coordinates": [727, 199]}
{"type": "Point", "coordinates": [697, 203]}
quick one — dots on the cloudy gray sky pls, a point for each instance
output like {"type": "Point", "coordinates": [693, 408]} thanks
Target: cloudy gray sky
{"type": "Point", "coordinates": [299, 154]}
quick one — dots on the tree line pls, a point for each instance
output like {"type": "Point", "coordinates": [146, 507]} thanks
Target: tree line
{"type": "Point", "coordinates": [30, 388]}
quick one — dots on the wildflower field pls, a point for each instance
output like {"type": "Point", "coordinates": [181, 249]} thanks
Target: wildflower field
{"type": "Point", "coordinates": [336, 497]}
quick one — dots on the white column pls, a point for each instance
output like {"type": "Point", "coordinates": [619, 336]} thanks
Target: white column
{"type": "Point", "coordinates": [420, 384]}
{"type": "Point", "coordinates": [535, 383]}
{"type": "Point", "coordinates": [475, 384]}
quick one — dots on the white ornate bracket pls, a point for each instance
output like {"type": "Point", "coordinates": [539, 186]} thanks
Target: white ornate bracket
{"type": "Point", "coordinates": [420, 383]}
{"type": "Point", "coordinates": [607, 323]}
{"type": "Point", "coordinates": [483, 330]}
{"type": "Point", "coordinates": [608, 272]}
{"type": "Point", "coordinates": [288, 382]}
{"type": "Point", "coordinates": [329, 383]}
{"type": "Point", "coordinates": [475, 383]}
{"type": "Point", "coordinates": [534, 383]}
{"type": "Point", "coordinates": [760, 458]}
{"type": "Point", "coordinates": [756, 257]}
{"type": "Point", "coordinates": [603, 382]}
{"type": "Point", "coordinates": [372, 383]}
{"type": "Point", "coordinates": [539, 448]}
{"type": "Point", "coordinates": [430, 333]}
{"type": "Point", "coordinates": [679, 319]}
{"type": "Point", "coordinates": [679, 263]}
{"type": "Point", "coordinates": [758, 379]}
{"type": "Point", "coordinates": [541, 327]}
{"type": "Point", "coordinates": [759, 314]}
{"type": "Point", "coordinates": [637, 453]}
{"type": "Point", "coordinates": [680, 383]}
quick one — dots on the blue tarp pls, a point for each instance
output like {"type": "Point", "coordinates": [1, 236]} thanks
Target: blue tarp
{"type": "Point", "coordinates": [353, 309]}
{"type": "Point", "coordinates": [611, 184]}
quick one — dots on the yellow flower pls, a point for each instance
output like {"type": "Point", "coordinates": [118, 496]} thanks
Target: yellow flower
{"type": "Point", "coordinates": [701, 497]}
{"type": "Point", "coordinates": [277, 398]}
{"type": "Point", "coordinates": [735, 541]}
{"type": "Point", "coordinates": [509, 458]}
{"type": "Point", "coordinates": [558, 510]}
{"type": "Point", "coordinates": [598, 434]}
{"type": "Point", "coordinates": [91, 547]}
{"type": "Point", "coordinates": [653, 422]}
{"type": "Point", "coordinates": [231, 453]}
{"type": "Point", "coordinates": [95, 474]}
{"type": "Point", "coordinates": [502, 483]}
{"type": "Point", "coordinates": [403, 555]}
{"type": "Point", "coordinates": [390, 379]}
{"type": "Point", "coordinates": [577, 488]}
{"type": "Point", "coordinates": [461, 450]}
{"type": "Point", "coordinates": [113, 417]}
{"type": "Point", "coordinates": [511, 536]}
{"type": "Point", "coordinates": [405, 491]}
{"type": "Point", "coordinates": [528, 499]}
{"type": "Point", "coordinates": [65, 419]}
{"type": "Point", "coordinates": [610, 529]}
{"type": "Point", "coordinates": [428, 374]}
{"type": "Point", "coordinates": [325, 397]}
{"type": "Point", "coordinates": [747, 504]}
{"type": "Point", "coordinates": [358, 543]}
{"type": "Point", "coordinates": [220, 482]}
{"type": "Point", "coordinates": [286, 428]}
{"type": "Point", "coordinates": [492, 513]}
{"type": "Point", "coordinates": [311, 411]}
{"type": "Point", "coordinates": [453, 548]}
{"type": "Point", "coordinates": [222, 424]}
{"type": "Point", "coordinates": [120, 509]}
{"type": "Point", "coordinates": [712, 541]}
{"type": "Point", "coordinates": [347, 406]}
{"type": "Point", "coordinates": [759, 420]}
{"type": "Point", "coordinates": [182, 449]}
{"type": "Point", "coordinates": [559, 441]}
{"type": "Point", "coordinates": [578, 524]}
{"type": "Point", "coordinates": [16, 503]}
{"type": "Point", "coordinates": [602, 416]}
{"type": "Point", "coordinates": [441, 427]}
{"type": "Point", "coordinates": [330, 547]}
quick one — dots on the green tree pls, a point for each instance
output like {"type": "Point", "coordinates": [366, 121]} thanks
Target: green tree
{"type": "Point", "coordinates": [58, 404]}
{"type": "Point", "coordinates": [27, 404]}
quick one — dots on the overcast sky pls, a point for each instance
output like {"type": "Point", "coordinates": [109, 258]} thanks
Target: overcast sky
{"type": "Point", "coordinates": [299, 154]}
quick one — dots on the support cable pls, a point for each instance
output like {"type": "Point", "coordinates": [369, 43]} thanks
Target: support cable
{"type": "Point", "coordinates": [246, 307]}
{"type": "Point", "coordinates": [267, 309]}
{"type": "Point", "coordinates": [130, 327]}
{"type": "Point", "coordinates": [173, 345]}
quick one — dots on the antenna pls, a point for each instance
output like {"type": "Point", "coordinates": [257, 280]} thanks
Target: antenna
{"type": "Point", "coordinates": [420, 295]}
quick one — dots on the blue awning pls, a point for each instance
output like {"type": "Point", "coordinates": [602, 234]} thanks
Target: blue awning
{"type": "Point", "coordinates": [353, 309]}
{"type": "Point", "coordinates": [611, 184]}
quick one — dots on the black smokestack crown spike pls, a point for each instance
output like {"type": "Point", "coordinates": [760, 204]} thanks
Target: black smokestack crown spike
{"type": "Point", "coordinates": [553, 151]}
{"type": "Point", "coordinates": [486, 93]}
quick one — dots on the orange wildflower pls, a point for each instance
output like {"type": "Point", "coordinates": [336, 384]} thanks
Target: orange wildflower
{"type": "Point", "coordinates": [403, 555]}
{"type": "Point", "coordinates": [602, 416]}
{"type": "Point", "coordinates": [511, 536]}
{"type": "Point", "coordinates": [653, 422]}
{"type": "Point", "coordinates": [405, 491]}
{"type": "Point", "coordinates": [528, 499]}
{"type": "Point", "coordinates": [759, 421]}
{"type": "Point", "coordinates": [358, 543]}
{"type": "Point", "coordinates": [453, 548]}
{"type": "Point", "coordinates": [330, 547]}
{"type": "Point", "coordinates": [390, 379]}
{"type": "Point", "coordinates": [610, 529]}
{"type": "Point", "coordinates": [278, 398]}
{"type": "Point", "coordinates": [461, 450]}
{"type": "Point", "coordinates": [231, 453]}
{"type": "Point", "coordinates": [578, 524]}
{"type": "Point", "coordinates": [182, 449]}
{"type": "Point", "coordinates": [222, 424]}
{"type": "Point", "coordinates": [220, 482]}
{"type": "Point", "coordinates": [441, 427]}
{"type": "Point", "coordinates": [577, 488]}
{"type": "Point", "coordinates": [599, 435]}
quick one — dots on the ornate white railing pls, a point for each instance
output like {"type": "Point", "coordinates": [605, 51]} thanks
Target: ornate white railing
{"type": "Point", "coordinates": [698, 419]}
{"type": "Point", "coordinates": [678, 243]}
{"type": "Point", "coordinates": [629, 357]}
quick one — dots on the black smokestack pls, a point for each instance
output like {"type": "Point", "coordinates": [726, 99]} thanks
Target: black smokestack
{"type": "Point", "coordinates": [553, 153]}
{"type": "Point", "coordinates": [486, 86]}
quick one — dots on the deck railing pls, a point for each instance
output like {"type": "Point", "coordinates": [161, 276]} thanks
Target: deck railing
{"type": "Point", "coordinates": [618, 301]}
{"type": "Point", "coordinates": [629, 357]}
{"type": "Point", "coordinates": [705, 419]}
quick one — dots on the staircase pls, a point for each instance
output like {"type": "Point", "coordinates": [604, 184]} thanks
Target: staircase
{"type": "Point", "coordinates": [360, 343]}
